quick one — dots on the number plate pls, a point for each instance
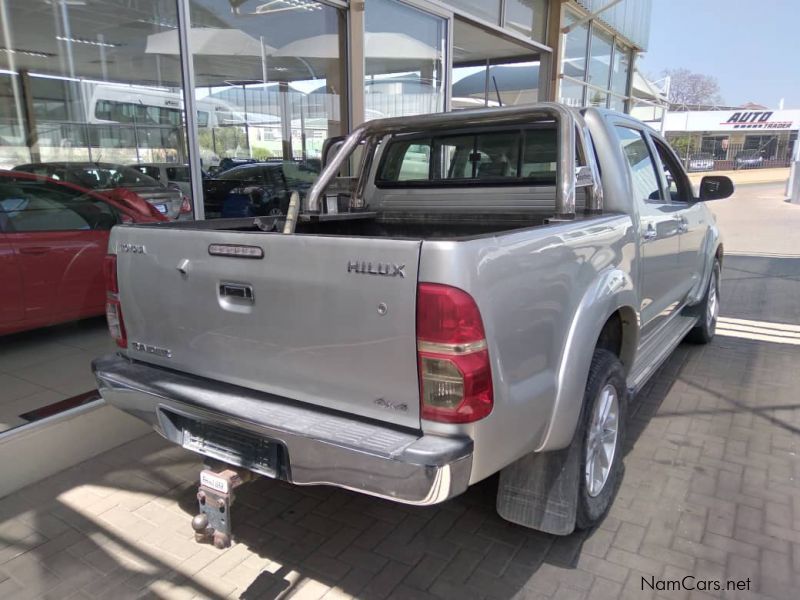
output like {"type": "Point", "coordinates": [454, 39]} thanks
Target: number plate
{"type": "Point", "coordinates": [162, 208]}
{"type": "Point", "coordinates": [215, 482]}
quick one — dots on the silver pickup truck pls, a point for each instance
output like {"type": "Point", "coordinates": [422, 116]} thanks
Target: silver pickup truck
{"type": "Point", "coordinates": [458, 295]}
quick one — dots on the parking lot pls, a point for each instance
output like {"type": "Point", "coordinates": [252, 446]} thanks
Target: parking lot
{"type": "Point", "coordinates": [710, 490]}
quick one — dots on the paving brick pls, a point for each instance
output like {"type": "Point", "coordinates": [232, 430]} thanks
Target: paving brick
{"type": "Point", "coordinates": [603, 568]}
{"type": "Point", "coordinates": [384, 582]}
{"type": "Point", "coordinates": [635, 561]}
{"type": "Point", "coordinates": [364, 559]}
{"type": "Point", "coordinates": [425, 572]}
{"type": "Point", "coordinates": [629, 537]}
{"type": "Point", "coordinates": [330, 568]}
{"type": "Point", "coordinates": [598, 542]}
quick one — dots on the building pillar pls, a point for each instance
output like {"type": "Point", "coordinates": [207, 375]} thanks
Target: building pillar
{"type": "Point", "coordinates": [552, 62]}
{"type": "Point", "coordinates": [355, 34]}
{"type": "Point", "coordinates": [29, 117]}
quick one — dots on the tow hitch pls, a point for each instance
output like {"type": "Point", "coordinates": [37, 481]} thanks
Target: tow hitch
{"type": "Point", "coordinates": [215, 497]}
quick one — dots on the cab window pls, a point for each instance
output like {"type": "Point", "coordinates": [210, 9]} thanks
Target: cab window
{"type": "Point", "coordinates": [646, 186]}
{"type": "Point", "coordinates": [407, 160]}
{"type": "Point", "coordinates": [676, 183]}
{"type": "Point", "coordinates": [521, 156]}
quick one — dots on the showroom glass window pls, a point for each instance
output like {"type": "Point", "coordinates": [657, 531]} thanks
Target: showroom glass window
{"type": "Point", "coordinates": [600, 58]}
{"type": "Point", "coordinates": [269, 80]}
{"type": "Point", "coordinates": [595, 68]}
{"type": "Point", "coordinates": [575, 45]}
{"type": "Point", "coordinates": [528, 18]}
{"type": "Point", "coordinates": [95, 90]}
{"type": "Point", "coordinates": [404, 60]}
{"type": "Point", "coordinates": [488, 10]}
{"type": "Point", "coordinates": [83, 97]}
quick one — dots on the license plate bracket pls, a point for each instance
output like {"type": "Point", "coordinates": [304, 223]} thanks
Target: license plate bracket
{"type": "Point", "coordinates": [232, 446]}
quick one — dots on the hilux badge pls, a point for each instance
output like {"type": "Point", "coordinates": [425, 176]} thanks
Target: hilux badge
{"type": "Point", "coordinates": [369, 268]}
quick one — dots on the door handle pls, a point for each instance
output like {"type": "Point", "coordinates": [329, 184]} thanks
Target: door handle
{"type": "Point", "coordinates": [650, 232]}
{"type": "Point", "coordinates": [36, 250]}
{"type": "Point", "coordinates": [240, 291]}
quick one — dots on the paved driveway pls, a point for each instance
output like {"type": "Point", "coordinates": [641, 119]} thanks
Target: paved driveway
{"type": "Point", "coordinates": [710, 491]}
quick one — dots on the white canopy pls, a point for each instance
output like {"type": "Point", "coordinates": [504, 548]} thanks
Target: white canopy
{"type": "Point", "coordinates": [376, 44]}
{"type": "Point", "coordinates": [209, 41]}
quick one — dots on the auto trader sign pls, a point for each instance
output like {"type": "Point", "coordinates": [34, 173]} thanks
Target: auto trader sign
{"type": "Point", "coordinates": [729, 120]}
{"type": "Point", "coordinates": [756, 120]}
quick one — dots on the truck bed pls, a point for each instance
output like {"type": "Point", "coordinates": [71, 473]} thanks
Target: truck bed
{"type": "Point", "coordinates": [417, 226]}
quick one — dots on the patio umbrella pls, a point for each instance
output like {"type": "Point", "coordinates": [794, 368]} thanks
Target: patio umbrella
{"type": "Point", "coordinates": [509, 79]}
{"type": "Point", "coordinates": [212, 41]}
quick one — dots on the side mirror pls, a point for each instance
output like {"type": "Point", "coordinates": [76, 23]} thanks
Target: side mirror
{"type": "Point", "coordinates": [715, 187]}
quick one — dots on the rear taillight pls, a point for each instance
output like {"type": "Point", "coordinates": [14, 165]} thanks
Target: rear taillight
{"type": "Point", "coordinates": [186, 205]}
{"type": "Point", "coordinates": [454, 371]}
{"type": "Point", "coordinates": [116, 326]}
{"type": "Point", "coordinates": [110, 273]}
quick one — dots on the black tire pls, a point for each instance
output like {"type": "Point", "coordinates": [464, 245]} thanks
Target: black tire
{"type": "Point", "coordinates": [605, 372]}
{"type": "Point", "coordinates": [707, 311]}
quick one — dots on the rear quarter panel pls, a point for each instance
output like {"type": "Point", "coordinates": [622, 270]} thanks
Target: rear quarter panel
{"type": "Point", "coordinates": [544, 294]}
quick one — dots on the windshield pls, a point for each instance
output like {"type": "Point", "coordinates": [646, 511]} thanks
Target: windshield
{"type": "Point", "coordinates": [243, 172]}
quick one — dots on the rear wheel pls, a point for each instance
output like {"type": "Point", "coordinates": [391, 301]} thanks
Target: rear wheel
{"type": "Point", "coordinates": [703, 332]}
{"type": "Point", "coordinates": [601, 435]}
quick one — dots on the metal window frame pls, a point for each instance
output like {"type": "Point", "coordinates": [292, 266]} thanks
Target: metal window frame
{"type": "Point", "coordinates": [494, 27]}
{"type": "Point", "coordinates": [615, 39]}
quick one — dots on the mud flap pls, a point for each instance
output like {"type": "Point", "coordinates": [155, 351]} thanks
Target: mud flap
{"type": "Point", "coordinates": [540, 490]}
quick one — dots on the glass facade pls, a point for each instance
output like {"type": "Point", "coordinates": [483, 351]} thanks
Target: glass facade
{"type": "Point", "coordinates": [488, 10]}
{"type": "Point", "coordinates": [77, 84]}
{"type": "Point", "coordinates": [631, 18]}
{"type": "Point", "coordinates": [528, 18]}
{"type": "Point", "coordinates": [576, 43]}
{"type": "Point", "coordinates": [595, 67]}
{"type": "Point", "coordinates": [99, 127]}
{"type": "Point", "coordinates": [404, 60]}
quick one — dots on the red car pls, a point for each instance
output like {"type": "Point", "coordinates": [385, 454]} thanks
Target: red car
{"type": "Point", "coordinates": [53, 240]}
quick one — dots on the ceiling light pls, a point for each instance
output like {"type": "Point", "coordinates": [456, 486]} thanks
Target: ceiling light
{"type": "Point", "coordinates": [159, 23]}
{"type": "Point", "coordinates": [35, 53]}
{"type": "Point", "coordinates": [87, 41]}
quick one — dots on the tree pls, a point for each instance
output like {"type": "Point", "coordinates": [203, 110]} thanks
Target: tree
{"type": "Point", "coordinates": [693, 89]}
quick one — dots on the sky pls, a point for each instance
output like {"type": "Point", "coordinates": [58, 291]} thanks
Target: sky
{"type": "Point", "coordinates": [752, 48]}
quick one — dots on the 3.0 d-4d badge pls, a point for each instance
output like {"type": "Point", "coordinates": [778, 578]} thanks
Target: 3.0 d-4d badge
{"type": "Point", "coordinates": [163, 352]}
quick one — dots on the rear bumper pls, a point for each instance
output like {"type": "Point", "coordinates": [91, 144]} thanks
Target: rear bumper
{"type": "Point", "coordinates": [321, 447]}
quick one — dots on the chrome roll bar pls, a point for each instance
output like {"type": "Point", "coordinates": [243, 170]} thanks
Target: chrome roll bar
{"type": "Point", "coordinates": [570, 133]}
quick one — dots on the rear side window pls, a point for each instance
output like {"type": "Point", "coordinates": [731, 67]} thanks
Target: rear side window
{"type": "Point", "coordinates": [640, 164]}
{"type": "Point", "coordinates": [407, 160]}
{"type": "Point", "coordinates": [526, 157]}
{"type": "Point", "coordinates": [177, 174]}
{"type": "Point", "coordinates": [153, 172]}
{"type": "Point", "coordinates": [31, 206]}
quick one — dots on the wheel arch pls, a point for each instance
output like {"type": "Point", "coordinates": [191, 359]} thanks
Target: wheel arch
{"type": "Point", "coordinates": [606, 316]}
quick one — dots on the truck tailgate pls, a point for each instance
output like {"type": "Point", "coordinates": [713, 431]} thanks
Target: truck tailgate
{"type": "Point", "coordinates": [302, 322]}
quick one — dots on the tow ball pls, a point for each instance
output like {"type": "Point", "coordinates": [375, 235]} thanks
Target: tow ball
{"type": "Point", "coordinates": [215, 496]}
